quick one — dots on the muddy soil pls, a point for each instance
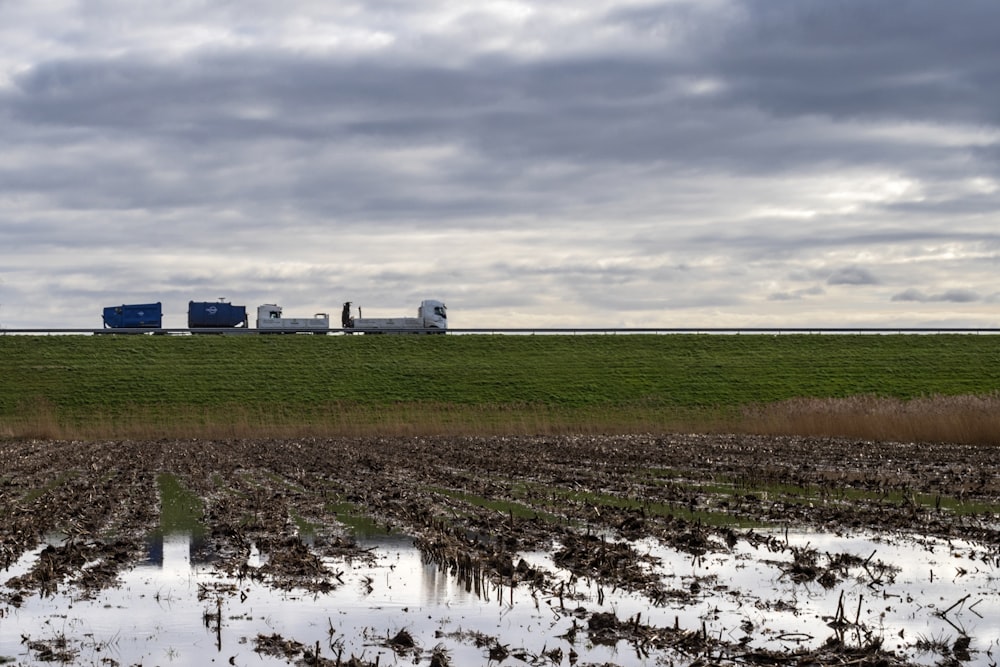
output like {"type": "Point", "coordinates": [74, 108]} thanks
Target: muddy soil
{"type": "Point", "coordinates": [475, 504]}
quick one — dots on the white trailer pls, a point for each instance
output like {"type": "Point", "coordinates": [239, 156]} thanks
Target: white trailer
{"type": "Point", "coordinates": [432, 317]}
{"type": "Point", "coordinates": [270, 320]}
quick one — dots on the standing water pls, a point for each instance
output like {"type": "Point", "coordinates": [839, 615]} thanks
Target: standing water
{"type": "Point", "coordinates": [923, 599]}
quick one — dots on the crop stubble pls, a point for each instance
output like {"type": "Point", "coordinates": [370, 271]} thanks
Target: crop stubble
{"type": "Point", "coordinates": [474, 503]}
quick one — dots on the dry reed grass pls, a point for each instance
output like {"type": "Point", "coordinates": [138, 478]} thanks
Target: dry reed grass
{"type": "Point", "coordinates": [41, 421]}
{"type": "Point", "coordinates": [957, 419]}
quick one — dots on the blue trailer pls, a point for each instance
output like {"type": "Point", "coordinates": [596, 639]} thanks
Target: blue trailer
{"type": "Point", "coordinates": [215, 315]}
{"type": "Point", "coordinates": [134, 316]}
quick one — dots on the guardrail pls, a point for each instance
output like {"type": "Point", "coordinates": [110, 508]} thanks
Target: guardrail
{"type": "Point", "coordinates": [523, 331]}
{"type": "Point", "coordinates": [737, 330]}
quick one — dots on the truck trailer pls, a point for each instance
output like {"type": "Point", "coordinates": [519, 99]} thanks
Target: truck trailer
{"type": "Point", "coordinates": [432, 317]}
{"type": "Point", "coordinates": [134, 316]}
{"type": "Point", "coordinates": [216, 315]}
{"type": "Point", "coordinates": [270, 320]}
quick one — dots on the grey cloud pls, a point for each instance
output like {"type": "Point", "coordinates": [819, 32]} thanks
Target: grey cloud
{"type": "Point", "coordinates": [501, 113]}
{"type": "Point", "coordinates": [957, 296]}
{"type": "Point", "coordinates": [852, 275]}
{"type": "Point", "coordinates": [315, 135]}
{"type": "Point", "coordinates": [190, 142]}
{"type": "Point", "coordinates": [770, 238]}
{"type": "Point", "coordinates": [796, 295]}
{"type": "Point", "coordinates": [951, 296]}
{"type": "Point", "coordinates": [910, 294]}
{"type": "Point", "coordinates": [921, 60]}
{"type": "Point", "coordinates": [966, 204]}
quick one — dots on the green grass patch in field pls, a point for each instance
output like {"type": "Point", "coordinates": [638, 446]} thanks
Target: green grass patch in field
{"type": "Point", "coordinates": [361, 524]}
{"type": "Point", "coordinates": [808, 495]}
{"type": "Point", "coordinates": [503, 508]}
{"type": "Point", "coordinates": [34, 494]}
{"type": "Point", "coordinates": [304, 527]}
{"type": "Point", "coordinates": [653, 508]}
{"type": "Point", "coordinates": [181, 510]}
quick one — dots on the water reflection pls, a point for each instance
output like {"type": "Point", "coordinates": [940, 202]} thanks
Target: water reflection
{"type": "Point", "coordinates": [177, 551]}
{"type": "Point", "coordinates": [158, 613]}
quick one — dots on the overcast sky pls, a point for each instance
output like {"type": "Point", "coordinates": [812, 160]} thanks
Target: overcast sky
{"type": "Point", "coordinates": [553, 164]}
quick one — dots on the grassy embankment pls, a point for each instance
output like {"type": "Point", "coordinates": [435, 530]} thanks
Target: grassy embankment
{"type": "Point", "coordinates": [942, 387]}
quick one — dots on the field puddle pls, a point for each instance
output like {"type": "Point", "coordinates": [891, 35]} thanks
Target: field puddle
{"type": "Point", "coordinates": [924, 599]}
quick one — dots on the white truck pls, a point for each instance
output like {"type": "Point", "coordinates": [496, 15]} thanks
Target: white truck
{"type": "Point", "coordinates": [432, 317]}
{"type": "Point", "coordinates": [270, 320]}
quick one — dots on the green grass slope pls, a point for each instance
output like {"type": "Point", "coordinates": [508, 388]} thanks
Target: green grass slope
{"type": "Point", "coordinates": [111, 384]}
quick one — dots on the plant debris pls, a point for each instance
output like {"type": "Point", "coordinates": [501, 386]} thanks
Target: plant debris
{"type": "Point", "coordinates": [278, 512]}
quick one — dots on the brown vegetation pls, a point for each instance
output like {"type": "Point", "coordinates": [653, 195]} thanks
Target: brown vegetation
{"type": "Point", "coordinates": [956, 419]}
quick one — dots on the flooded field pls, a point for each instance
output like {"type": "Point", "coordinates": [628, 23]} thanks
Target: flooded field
{"type": "Point", "coordinates": [463, 551]}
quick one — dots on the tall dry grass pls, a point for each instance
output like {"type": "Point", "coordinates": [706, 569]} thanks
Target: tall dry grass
{"type": "Point", "coordinates": [41, 421]}
{"type": "Point", "coordinates": [958, 419]}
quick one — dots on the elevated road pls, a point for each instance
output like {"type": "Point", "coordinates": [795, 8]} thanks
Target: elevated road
{"type": "Point", "coordinates": [520, 331]}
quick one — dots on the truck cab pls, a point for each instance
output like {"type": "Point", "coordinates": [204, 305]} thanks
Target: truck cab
{"type": "Point", "coordinates": [432, 317]}
{"type": "Point", "coordinates": [434, 314]}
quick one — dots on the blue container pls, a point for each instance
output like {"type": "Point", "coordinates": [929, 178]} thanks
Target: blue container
{"type": "Point", "coordinates": [215, 314]}
{"type": "Point", "coordinates": [134, 316]}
